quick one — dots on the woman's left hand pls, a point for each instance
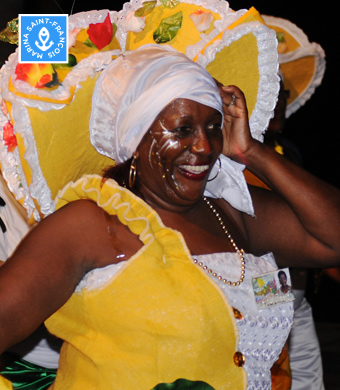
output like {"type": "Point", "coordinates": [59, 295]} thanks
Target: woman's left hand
{"type": "Point", "coordinates": [237, 140]}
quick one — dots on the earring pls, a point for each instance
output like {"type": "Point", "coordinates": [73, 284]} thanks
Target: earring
{"type": "Point", "coordinates": [132, 173]}
{"type": "Point", "coordinates": [219, 170]}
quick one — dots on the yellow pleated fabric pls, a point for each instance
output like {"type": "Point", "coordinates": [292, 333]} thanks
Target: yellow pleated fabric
{"type": "Point", "coordinates": [158, 319]}
{"type": "Point", "coordinates": [5, 384]}
{"type": "Point", "coordinates": [298, 74]}
{"type": "Point", "coordinates": [225, 67]}
{"type": "Point", "coordinates": [187, 35]}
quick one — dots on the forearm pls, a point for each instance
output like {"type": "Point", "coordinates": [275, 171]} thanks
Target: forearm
{"type": "Point", "coordinates": [316, 204]}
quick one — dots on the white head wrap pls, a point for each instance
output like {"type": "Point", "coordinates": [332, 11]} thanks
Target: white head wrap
{"type": "Point", "coordinates": [135, 88]}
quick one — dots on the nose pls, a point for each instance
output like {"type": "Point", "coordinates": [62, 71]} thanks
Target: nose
{"type": "Point", "coordinates": [201, 143]}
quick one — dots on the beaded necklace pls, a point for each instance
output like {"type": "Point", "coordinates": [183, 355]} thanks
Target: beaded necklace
{"type": "Point", "coordinates": [237, 250]}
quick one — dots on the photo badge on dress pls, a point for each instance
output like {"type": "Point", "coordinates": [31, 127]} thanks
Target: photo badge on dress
{"type": "Point", "coordinates": [273, 288]}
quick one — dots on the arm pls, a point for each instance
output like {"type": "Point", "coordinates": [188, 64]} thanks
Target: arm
{"type": "Point", "coordinates": [300, 218]}
{"type": "Point", "coordinates": [46, 267]}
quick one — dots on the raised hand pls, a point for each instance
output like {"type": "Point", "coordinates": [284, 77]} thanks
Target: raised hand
{"type": "Point", "coordinates": [237, 139]}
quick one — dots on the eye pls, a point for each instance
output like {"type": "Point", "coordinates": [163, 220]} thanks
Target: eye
{"type": "Point", "coordinates": [214, 128]}
{"type": "Point", "coordinates": [182, 131]}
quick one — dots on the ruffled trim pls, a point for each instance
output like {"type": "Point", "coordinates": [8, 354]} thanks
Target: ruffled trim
{"type": "Point", "coordinates": [11, 162]}
{"type": "Point", "coordinates": [12, 168]}
{"type": "Point", "coordinates": [12, 171]}
{"type": "Point", "coordinates": [268, 87]}
{"type": "Point", "coordinates": [131, 210]}
{"type": "Point", "coordinates": [286, 25]}
{"type": "Point", "coordinates": [112, 198]}
{"type": "Point", "coordinates": [84, 19]}
{"type": "Point", "coordinates": [192, 51]}
{"type": "Point", "coordinates": [313, 49]}
{"type": "Point", "coordinates": [306, 49]}
{"type": "Point", "coordinates": [88, 67]}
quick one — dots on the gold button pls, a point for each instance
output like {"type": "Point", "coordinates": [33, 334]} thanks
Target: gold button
{"type": "Point", "coordinates": [239, 359]}
{"type": "Point", "coordinates": [238, 315]}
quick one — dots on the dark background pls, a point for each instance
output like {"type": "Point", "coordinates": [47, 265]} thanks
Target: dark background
{"type": "Point", "coordinates": [314, 128]}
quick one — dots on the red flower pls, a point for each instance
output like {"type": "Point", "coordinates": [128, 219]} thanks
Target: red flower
{"type": "Point", "coordinates": [9, 137]}
{"type": "Point", "coordinates": [37, 75]}
{"type": "Point", "coordinates": [101, 33]}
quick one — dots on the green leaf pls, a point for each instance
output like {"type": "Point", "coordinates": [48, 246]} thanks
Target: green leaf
{"type": "Point", "coordinates": [72, 61]}
{"type": "Point", "coordinates": [280, 36]}
{"type": "Point", "coordinates": [169, 3]}
{"type": "Point", "coordinates": [168, 28]}
{"type": "Point", "coordinates": [89, 43]}
{"type": "Point", "coordinates": [114, 29]}
{"type": "Point", "coordinates": [147, 8]}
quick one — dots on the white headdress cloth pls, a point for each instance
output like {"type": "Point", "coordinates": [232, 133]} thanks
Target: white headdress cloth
{"type": "Point", "coordinates": [135, 88]}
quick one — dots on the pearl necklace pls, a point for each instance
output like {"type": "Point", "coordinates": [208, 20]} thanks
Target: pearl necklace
{"type": "Point", "coordinates": [237, 250]}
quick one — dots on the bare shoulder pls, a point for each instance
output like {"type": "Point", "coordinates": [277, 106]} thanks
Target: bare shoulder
{"type": "Point", "coordinates": [267, 230]}
{"type": "Point", "coordinates": [79, 232]}
{"type": "Point", "coordinates": [49, 263]}
{"type": "Point", "coordinates": [79, 216]}
{"type": "Point", "coordinates": [94, 234]}
{"type": "Point", "coordinates": [82, 208]}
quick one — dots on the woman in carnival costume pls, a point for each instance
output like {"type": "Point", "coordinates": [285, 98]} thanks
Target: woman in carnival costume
{"type": "Point", "coordinates": [141, 276]}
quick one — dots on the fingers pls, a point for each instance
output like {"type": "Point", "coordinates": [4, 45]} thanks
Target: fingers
{"type": "Point", "coordinates": [233, 100]}
{"type": "Point", "coordinates": [232, 96]}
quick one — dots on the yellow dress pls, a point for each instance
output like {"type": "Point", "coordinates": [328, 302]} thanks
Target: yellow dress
{"type": "Point", "coordinates": [160, 318]}
{"type": "Point", "coordinates": [5, 384]}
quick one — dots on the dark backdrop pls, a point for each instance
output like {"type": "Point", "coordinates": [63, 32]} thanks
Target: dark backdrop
{"type": "Point", "coordinates": [314, 128]}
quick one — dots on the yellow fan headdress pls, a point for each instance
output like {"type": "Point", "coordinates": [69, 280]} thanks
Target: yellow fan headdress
{"type": "Point", "coordinates": [45, 140]}
{"type": "Point", "coordinates": [302, 63]}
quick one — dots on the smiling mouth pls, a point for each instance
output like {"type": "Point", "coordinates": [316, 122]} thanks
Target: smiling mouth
{"type": "Point", "coordinates": [195, 172]}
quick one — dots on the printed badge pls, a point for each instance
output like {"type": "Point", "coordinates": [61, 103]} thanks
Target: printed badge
{"type": "Point", "coordinates": [43, 38]}
{"type": "Point", "coordinates": [273, 288]}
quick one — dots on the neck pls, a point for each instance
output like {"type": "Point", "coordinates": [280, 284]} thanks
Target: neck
{"type": "Point", "coordinates": [159, 204]}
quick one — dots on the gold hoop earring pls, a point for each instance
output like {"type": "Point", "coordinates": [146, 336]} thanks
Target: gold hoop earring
{"type": "Point", "coordinates": [132, 173]}
{"type": "Point", "coordinates": [219, 169]}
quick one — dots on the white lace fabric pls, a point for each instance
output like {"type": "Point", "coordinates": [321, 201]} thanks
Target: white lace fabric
{"type": "Point", "coordinates": [262, 333]}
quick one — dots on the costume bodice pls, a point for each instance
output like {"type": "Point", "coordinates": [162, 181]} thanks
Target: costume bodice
{"type": "Point", "coordinates": [159, 317]}
{"type": "Point", "coordinates": [262, 333]}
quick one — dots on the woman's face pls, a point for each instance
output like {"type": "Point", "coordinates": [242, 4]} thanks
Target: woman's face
{"type": "Point", "coordinates": [283, 280]}
{"type": "Point", "coordinates": [177, 153]}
